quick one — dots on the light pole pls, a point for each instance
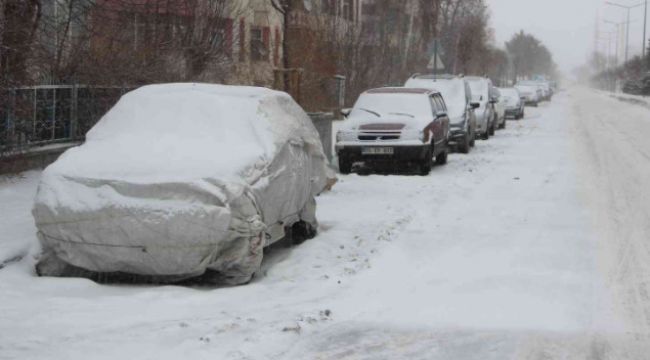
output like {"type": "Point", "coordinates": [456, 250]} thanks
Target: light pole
{"type": "Point", "coordinates": [645, 24]}
{"type": "Point", "coordinates": [618, 35]}
{"type": "Point", "coordinates": [627, 36]}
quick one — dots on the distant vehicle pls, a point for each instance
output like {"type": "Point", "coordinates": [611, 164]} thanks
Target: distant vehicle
{"type": "Point", "coordinates": [637, 86]}
{"type": "Point", "coordinates": [546, 92]}
{"type": "Point", "coordinates": [460, 109]}
{"type": "Point", "coordinates": [395, 127]}
{"type": "Point", "coordinates": [531, 94]}
{"type": "Point", "coordinates": [179, 181]}
{"type": "Point", "coordinates": [500, 108]}
{"type": "Point", "coordinates": [512, 99]}
{"type": "Point", "coordinates": [485, 113]}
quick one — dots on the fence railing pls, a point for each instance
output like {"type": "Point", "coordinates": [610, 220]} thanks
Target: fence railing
{"type": "Point", "coordinates": [32, 117]}
{"type": "Point", "coordinates": [42, 115]}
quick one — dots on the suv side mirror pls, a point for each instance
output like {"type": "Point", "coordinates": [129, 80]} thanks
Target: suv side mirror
{"type": "Point", "coordinates": [475, 105]}
{"type": "Point", "coordinates": [346, 112]}
{"type": "Point", "coordinates": [441, 114]}
{"type": "Point", "coordinates": [494, 100]}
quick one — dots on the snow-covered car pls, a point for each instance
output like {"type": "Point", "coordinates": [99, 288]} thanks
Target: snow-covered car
{"type": "Point", "coordinates": [545, 91]}
{"type": "Point", "coordinates": [395, 127]}
{"type": "Point", "coordinates": [513, 103]}
{"type": "Point", "coordinates": [457, 95]}
{"type": "Point", "coordinates": [499, 108]}
{"type": "Point", "coordinates": [182, 180]}
{"type": "Point", "coordinates": [485, 114]}
{"type": "Point", "coordinates": [531, 94]}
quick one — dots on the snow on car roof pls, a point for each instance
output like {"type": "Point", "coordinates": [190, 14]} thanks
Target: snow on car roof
{"type": "Point", "coordinates": [178, 131]}
{"type": "Point", "coordinates": [401, 90]}
{"type": "Point", "coordinates": [451, 89]}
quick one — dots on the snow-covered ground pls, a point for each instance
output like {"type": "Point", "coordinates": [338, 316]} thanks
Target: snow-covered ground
{"type": "Point", "coordinates": [534, 246]}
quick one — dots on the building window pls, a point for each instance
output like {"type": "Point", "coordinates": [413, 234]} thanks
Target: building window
{"type": "Point", "coordinates": [242, 40]}
{"type": "Point", "coordinates": [328, 7]}
{"type": "Point", "coordinates": [260, 44]}
{"type": "Point", "coordinates": [276, 49]}
{"type": "Point", "coordinates": [348, 10]}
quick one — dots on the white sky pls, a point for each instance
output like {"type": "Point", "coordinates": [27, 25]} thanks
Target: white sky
{"type": "Point", "coordinates": [567, 27]}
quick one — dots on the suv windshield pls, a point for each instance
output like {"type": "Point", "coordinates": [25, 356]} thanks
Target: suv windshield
{"type": "Point", "coordinates": [479, 89]}
{"type": "Point", "coordinates": [392, 105]}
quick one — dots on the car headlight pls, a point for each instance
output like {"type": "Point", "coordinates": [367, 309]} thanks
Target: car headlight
{"type": "Point", "coordinates": [346, 135]}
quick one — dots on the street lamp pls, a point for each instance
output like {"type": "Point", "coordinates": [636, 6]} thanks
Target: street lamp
{"type": "Point", "coordinates": [627, 36]}
{"type": "Point", "coordinates": [618, 35]}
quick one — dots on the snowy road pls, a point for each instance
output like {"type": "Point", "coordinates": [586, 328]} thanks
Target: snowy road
{"type": "Point", "coordinates": [534, 246]}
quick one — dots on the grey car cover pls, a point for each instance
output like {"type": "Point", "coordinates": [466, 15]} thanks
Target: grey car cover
{"type": "Point", "coordinates": [177, 179]}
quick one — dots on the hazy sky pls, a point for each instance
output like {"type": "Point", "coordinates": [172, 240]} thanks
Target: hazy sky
{"type": "Point", "coordinates": [567, 27]}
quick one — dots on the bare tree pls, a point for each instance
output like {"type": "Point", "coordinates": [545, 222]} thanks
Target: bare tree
{"type": "Point", "coordinates": [18, 24]}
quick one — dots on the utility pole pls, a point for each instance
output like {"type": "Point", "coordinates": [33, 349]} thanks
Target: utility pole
{"type": "Point", "coordinates": [645, 24]}
{"type": "Point", "coordinates": [627, 36]}
{"type": "Point", "coordinates": [618, 25]}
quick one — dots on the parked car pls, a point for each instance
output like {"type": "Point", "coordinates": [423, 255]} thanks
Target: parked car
{"type": "Point", "coordinates": [178, 181]}
{"type": "Point", "coordinates": [395, 127]}
{"type": "Point", "coordinates": [637, 86]}
{"type": "Point", "coordinates": [457, 96]}
{"type": "Point", "coordinates": [531, 94]}
{"type": "Point", "coordinates": [485, 113]}
{"type": "Point", "coordinates": [514, 105]}
{"type": "Point", "coordinates": [545, 91]}
{"type": "Point", "coordinates": [499, 108]}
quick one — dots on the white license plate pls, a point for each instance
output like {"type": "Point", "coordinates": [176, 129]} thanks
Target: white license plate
{"type": "Point", "coordinates": [377, 151]}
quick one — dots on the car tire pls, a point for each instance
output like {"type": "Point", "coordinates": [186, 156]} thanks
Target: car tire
{"type": "Point", "coordinates": [503, 126]}
{"type": "Point", "coordinates": [466, 145]}
{"type": "Point", "coordinates": [345, 166]}
{"type": "Point", "coordinates": [492, 129]}
{"type": "Point", "coordinates": [441, 159]}
{"type": "Point", "coordinates": [301, 232]}
{"type": "Point", "coordinates": [485, 135]}
{"type": "Point", "coordinates": [427, 163]}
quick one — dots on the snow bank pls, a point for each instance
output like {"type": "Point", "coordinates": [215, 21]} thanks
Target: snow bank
{"type": "Point", "coordinates": [180, 178]}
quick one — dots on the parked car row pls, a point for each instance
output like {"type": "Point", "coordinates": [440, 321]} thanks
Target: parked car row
{"type": "Point", "coordinates": [179, 181]}
{"type": "Point", "coordinates": [417, 125]}
{"type": "Point", "coordinates": [536, 91]}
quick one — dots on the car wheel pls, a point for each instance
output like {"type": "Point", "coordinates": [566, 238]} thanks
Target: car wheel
{"type": "Point", "coordinates": [427, 163]}
{"type": "Point", "coordinates": [486, 135]}
{"type": "Point", "coordinates": [492, 129]}
{"type": "Point", "coordinates": [503, 126]}
{"type": "Point", "coordinates": [466, 145]}
{"type": "Point", "coordinates": [472, 141]}
{"type": "Point", "coordinates": [301, 232]}
{"type": "Point", "coordinates": [441, 159]}
{"type": "Point", "coordinates": [345, 166]}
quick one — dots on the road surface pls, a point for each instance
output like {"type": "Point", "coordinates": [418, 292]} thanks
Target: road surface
{"type": "Point", "coordinates": [534, 246]}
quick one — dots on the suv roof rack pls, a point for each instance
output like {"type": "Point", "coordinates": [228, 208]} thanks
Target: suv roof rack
{"type": "Point", "coordinates": [434, 76]}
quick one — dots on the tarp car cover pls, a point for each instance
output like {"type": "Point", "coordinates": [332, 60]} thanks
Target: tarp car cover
{"type": "Point", "coordinates": [178, 179]}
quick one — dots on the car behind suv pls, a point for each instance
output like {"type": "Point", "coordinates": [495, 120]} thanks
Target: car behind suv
{"type": "Point", "coordinates": [458, 96]}
{"type": "Point", "coordinates": [485, 113]}
{"type": "Point", "coordinates": [513, 102]}
{"type": "Point", "coordinates": [395, 127]}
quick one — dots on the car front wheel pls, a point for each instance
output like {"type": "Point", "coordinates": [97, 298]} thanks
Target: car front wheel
{"type": "Point", "coordinates": [427, 163]}
{"type": "Point", "coordinates": [345, 166]}
{"type": "Point", "coordinates": [441, 159]}
{"type": "Point", "coordinates": [465, 146]}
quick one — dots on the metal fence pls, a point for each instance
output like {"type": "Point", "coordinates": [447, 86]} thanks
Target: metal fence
{"type": "Point", "coordinates": [32, 117]}
{"type": "Point", "coordinates": [42, 115]}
